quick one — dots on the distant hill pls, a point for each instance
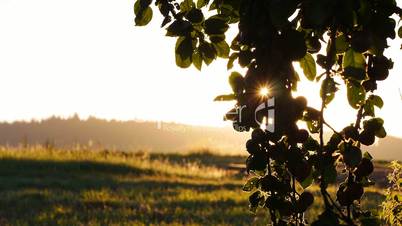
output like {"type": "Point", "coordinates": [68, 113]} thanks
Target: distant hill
{"type": "Point", "coordinates": [126, 135]}
{"type": "Point", "coordinates": [145, 135]}
{"type": "Point", "coordinates": [389, 148]}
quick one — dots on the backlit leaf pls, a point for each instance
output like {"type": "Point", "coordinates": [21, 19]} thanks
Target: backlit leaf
{"type": "Point", "coordinates": [222, 49]}
{"type": "Point", "coordinates": [197, 60]}
{"type": "Point", "coordinates": [307, 63]}
{"type": "Point", "coordinates": [231, 60]}
{"type": "Point", "coordinates": [328, 88]}
{"type": "Point", "coordinates": [202, 3]}
{"type": "Point", "coordinates": [251, 184]}
{"type": "Point", "coordinates": [215, 25]}
{"type": "Point", "coordinates": [400, 32]}
{"type": "Point", "coordinates": [186, 5]}
{"type": "Point", "coordinates": [354, 65]}
{"type": "Point", "coordinates": [356, 93]}
{"type": "Point", "coordinates": [377, 101]}
{"type": "Point", "coordinates": [184, 51]}
{"type": "Point", "coordinates": [142, 15]}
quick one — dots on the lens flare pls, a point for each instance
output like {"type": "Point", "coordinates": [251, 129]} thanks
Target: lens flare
{"type": "Point", "coordinates": [264, 91]}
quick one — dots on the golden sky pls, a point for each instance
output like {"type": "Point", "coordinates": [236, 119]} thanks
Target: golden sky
{"type": "Point", "coordinates": [61, 57]}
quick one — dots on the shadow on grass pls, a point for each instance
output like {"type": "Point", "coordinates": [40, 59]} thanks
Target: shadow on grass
{"type": "Point", "coordinates": [73, 175]}
{"type": "Point", "coordinates": [76, 175]}
{"type": "Point", "coordinates": [51, 167]}
{"type": "Point", "coordinates": [41, 192]}
{"type": "Point", "coordinates": [184, 212]}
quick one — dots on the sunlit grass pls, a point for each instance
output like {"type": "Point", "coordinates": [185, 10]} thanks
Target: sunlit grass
{"type": "Point", "coordinates": [54, 187]}
{"type": "Point", "coordinates": [141, 160]}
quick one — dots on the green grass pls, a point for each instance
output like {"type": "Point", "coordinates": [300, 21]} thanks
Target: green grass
{"type": "Point", "coordinates": [44, 187]}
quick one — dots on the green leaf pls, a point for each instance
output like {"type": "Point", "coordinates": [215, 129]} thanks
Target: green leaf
{"type": "Point", "coordinates": [197, 60]}
{"type": "Point", "coordinates": [208, 52]}
{"type": "Point", "coordinates": [143, 15]}
{"type": "Point", "coordinates": [373, 124]}
{"type": "Point", "coordinates": [235, 45]}
{"type": "Point", "coordinates": [212, 6]}
{"type": "Point", "coordinates": [400, 32]}
{"type": "Point", "coordinates": [140, 6]}
{"type": "Point", "coordinates": [231, 60]}
{"type": "Point", "coordinates": [225, 97]}
{"type": "Point", "coordinates": [254, 199]}
{"type": "Point", "coordinates": [202, 3]}
{"type": "Point", "coordinates": [356, 93]}
{"type": "Point", "coordinates": [308, 181]}
{"type": "Point", "coordinates": [367, 155]}
{"type": "Point", "coordinates": [183, 63]}
{"type": "Point", "coordinates": [351, 154]}
{"type": "Point", "coordinates": [179, 28]}
{"type": "Point", "coordinates": [186, 6]}
{"type": "Point", "coordinates": [245, 57]}
{"type": "Point", "coordinates": [313, 126]}
{"type": "Point", "coordinates": [377, 100]}
{"type": "Point", "coordinates": [251, 184]}
{"type": "Point", "coordinates": [222, 49]}
{"type": "Point", "coordinates": [236, 81]}
{"type": "Point", "coordinates": [307, 63]}
{"type": "Point", "coordinates": [311, 114]}
{"type": "Point", "coordinates": [145, 3]}
{"type": "Point", "coordinates": [328, 88]}
{"type": "Point", "coordinates": [353, 59]}
{"type": "Point", "coordinates": [354, 65]}
{"type": "Point", "coordinates": [217, 38]}
{"type": "Point", "coordinates": [195, 16]}
{"type": "Point", "coordinates": [184, 51]}
{"type": "Point", "coordinates": [381, 133]}
{"type": "Point", "coordinates": [341, 44]}
{"type": "Point", "coordinates": [354, 73]}
{"type": "Point", "coordinates": [372, 100]}
{"type": "Point", "coordinates": [368, 108]}
{"type": "Point", "coordinates": [334, 141]}
{"type": "Point", "coordinates": [215, 25]}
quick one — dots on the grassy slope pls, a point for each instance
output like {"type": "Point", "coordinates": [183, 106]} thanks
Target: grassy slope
{"type": "Point", "coordinates": [40, 187]}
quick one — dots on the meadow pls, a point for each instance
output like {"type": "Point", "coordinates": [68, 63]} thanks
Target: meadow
{"type": "Point", "coordinates": [84, 187]}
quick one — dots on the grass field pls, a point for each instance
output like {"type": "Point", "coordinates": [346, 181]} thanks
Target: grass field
{"type": "Point", "coordinates": [50, 187]}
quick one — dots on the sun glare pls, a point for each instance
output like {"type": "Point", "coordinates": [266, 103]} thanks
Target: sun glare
{"type": "Point", "coordinates": [264, 91]}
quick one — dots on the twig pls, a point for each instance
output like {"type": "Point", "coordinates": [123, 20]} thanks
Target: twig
{"type": "Point", "coordinates": [336, 132]}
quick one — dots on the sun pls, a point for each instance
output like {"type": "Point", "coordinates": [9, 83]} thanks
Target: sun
{"type": "Point", "coordinates": [264, 91]}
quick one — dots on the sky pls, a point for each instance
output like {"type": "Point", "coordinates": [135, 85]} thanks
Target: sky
{"type": "Point", "coordinates": [60, 57]}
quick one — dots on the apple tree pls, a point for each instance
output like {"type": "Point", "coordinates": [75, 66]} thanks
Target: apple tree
{"type": "Point", "coordinates": [345, 39]}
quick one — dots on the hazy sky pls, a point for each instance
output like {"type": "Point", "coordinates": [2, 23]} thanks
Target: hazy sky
{"type": "Point", "coordinates": [58, 57]}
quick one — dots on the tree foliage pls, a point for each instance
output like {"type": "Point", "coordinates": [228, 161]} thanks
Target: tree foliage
{"type": "Point", "coordinates": [346, 39]}
{"type": "Point", "coordinates": [392, 206]}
